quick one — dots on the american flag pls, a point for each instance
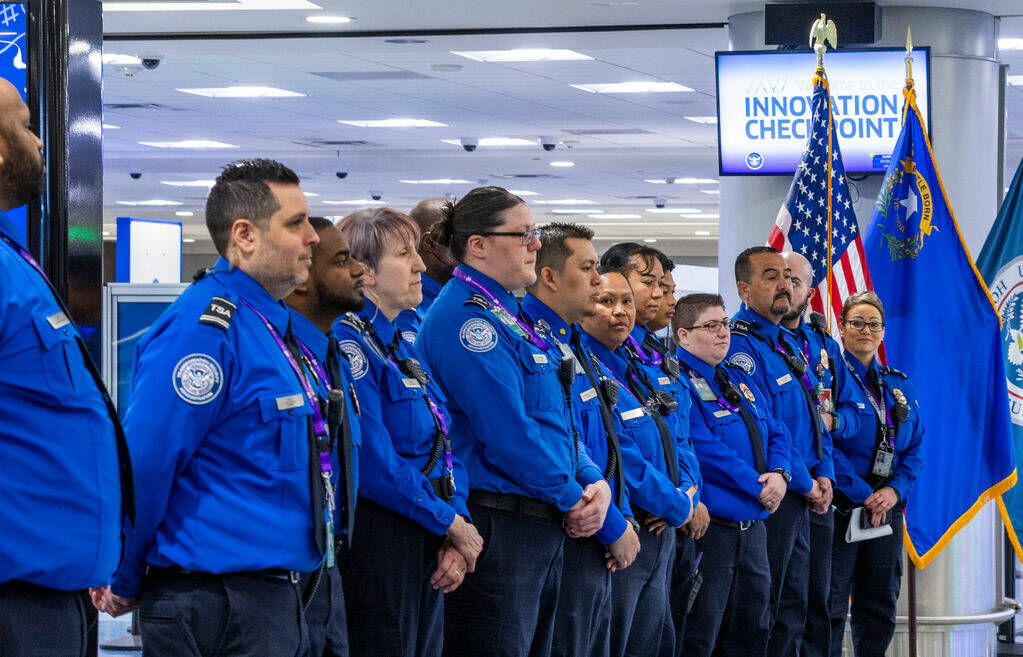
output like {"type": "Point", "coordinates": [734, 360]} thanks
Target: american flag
{"type": "Point", "coordinates": [802, 223]}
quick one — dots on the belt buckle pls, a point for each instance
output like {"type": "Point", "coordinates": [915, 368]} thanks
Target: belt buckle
{"type": "Point", "coordinates": [745, 524]}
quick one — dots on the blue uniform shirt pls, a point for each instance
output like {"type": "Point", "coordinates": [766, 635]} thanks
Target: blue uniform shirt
{"type": "Point", "coordinates": [409, 321]}
{"type": "Point", "coordinates": [217, 426]}
{"type": "Point", "coordinates": [509, 425]}
{"type": "Point", "coordinates": [61, 522]}
{"type": "Point", "coordinates": [316, 340]}
{"type": "Point", "coordinates": [723, 445]}
{"type": "Point", "coordinates": [788, 403]}
{"type": "Point", "coordinates": [585, 409]}
{"type": "Point", "coordinates": [646, 470]}
{"type": "Point", "coordinates": [854, 454]}
{"type": "Point", "coordinates": [398, 428]}
{"type": "Point", "coordinates": [814, 348]}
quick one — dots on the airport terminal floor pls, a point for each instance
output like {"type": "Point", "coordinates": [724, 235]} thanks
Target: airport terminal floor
{"type": "Point", "coordinates": [617, 328]}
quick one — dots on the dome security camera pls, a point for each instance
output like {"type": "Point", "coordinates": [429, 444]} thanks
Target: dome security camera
{"type": "Point", "coordinates": [659, 202]}
{"type": "Point", "coordinates": [469, 144]}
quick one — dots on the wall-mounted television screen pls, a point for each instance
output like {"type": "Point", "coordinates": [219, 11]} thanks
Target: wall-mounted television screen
{"type": "Point", "coordinates": [764, 109]}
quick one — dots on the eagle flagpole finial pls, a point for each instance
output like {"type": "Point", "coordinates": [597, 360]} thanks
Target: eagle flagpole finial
{"type": "Point", "coordinates": [822, 34]}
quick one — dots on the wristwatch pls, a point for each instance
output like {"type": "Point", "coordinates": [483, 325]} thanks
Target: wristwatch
{"type": "Point", "coordinates": [836, 421]}
{"type": "Point", "coordinates": [784, 475]}
{"type": "Point", "coordinates": [634, 524]}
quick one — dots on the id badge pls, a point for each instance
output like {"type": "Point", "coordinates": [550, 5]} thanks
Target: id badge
{"type": "Point", "coordinates": [884, 463]}
{"type": "Point", "coordinates": [703, 389]}
{"type": "Point", "coordinates": [824, 400]}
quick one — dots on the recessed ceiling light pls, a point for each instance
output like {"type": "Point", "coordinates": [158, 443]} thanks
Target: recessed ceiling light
{"type": "Point", "coordinates": [188, 143]}
{"type": "Point", "coordinates": [711, 191]}
{"type": "Point", "coordinates": [701, 233]}
{"type": "Point", "coordinates": [1014, 79]}
{"type": "Point", "coordinates": [189, 183]}
{"type": "Point", "coordinates": [566, 201]}
{"type": "Point", "coordinates": [495, 141]}
{"type": "Point", "coordinates": [184, 213]}
{"type": "Point", "coordinates": [310, 193]}
{"type": "Point", "coordinates": [522, 192]}
{"type": "Point", "coordinates": [1010, 44]}
{"type": "Point", "coordinates": [115, 59]}
{"type": "Point", "coordinates": [150, 203]}
{"type": "Point", "coordinates": [329, 19]}
{"type": "Point", "coordinates": [633, 88]}
{"type": "Point", "coordinates": [576, 211]}
{"type": "Point", "coordinates": [562, 164]}
{"type": "Point", "coordinates": [396, 123]}
{"type": "Point", "coordinates": [437, 181]}
{"type": "Point", "coordinates": [703, 119]}
{"type": "Point", "coordinates": [674, 211]}
{"type": "Point", "coordinates": [110, 126]}
{"type": "Point", "coordinates": [522, 55]}
{"type": "Point", "coordinates": [355, 202]}
{"type": "Point", "coordinates": [615, 216]}
{"type": "Point", "coordinates": [188, 240]}
{"type": "Point", "coordinates": [649, 240]}
{"type": "Point", "coordinates": [681, 181]}
{"type": "Point", "coordinates": [239, 5]}
{"type": "Point", "coordinates": [242, 92]}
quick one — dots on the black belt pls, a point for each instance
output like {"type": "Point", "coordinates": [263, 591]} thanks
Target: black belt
{"type": "Point", "coordinates": [741, 525]}
{"type": "Point", "coordinates": [174, 572]}
{"type": "Point", "coordinates": [515, 504]}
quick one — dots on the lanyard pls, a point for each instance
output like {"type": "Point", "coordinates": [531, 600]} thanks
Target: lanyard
{"type": "Point", "coordinates": [510, 319]}
{"type": "Point", "coordinates": [722, 403]}
{"type": "Point", "coordinates": [804, 378]}
{"type": "Point", "coordinates": [653, 359]}
{"type": "Point", "coordinates": [883, 412]}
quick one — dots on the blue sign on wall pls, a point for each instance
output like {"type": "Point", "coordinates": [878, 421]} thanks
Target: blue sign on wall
{"type": "Point", "coordinates": [14, 67]}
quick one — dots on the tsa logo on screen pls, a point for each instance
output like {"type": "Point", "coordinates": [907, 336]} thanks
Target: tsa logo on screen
{"type": "Point", "coordinates": [754, 161]}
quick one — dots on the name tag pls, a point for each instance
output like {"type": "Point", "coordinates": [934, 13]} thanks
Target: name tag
{"type": "Point", "coordinates": [782, 380]}
{"type": "Point", "coordinates": [291, 401]}
{"type": "Point", "coordinates": [663, 380]}
{"type": "Point", "coordinates": [722, 413]}
{"type": "Point", "coordinates": [540, 359]}
{"type": "Point", "coordinates": [861, 404]}
{"type": "Point", "coordinates": [410, 383]}
{"type": "Point", "coordinates": [633, 414]}
{"type": "Point", "coordinates": [587, 395]}
{"type": "Point", "coordinates": [58, 320]}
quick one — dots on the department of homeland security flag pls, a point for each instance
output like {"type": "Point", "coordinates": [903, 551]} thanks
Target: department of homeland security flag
{"type": "Point", "coordinates": [1001, 265]}
{"type": "Point", "coordinates": [802, 224]}
{"type": "Point", "coordinates": [942, 329]}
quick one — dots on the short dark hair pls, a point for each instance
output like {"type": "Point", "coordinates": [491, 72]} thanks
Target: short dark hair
{"type": "Point", "coordinates": [744, 264]}
{"type": "Point", "coordinates": [241, 191]}
{"type": "Point", "coordinates": [553, 251]}
{"type": "Point", "coordinates": [319, 223]}
{"type": "Point", "coordinates": [477, 212]}
{"type": "Point", "coordinates": [620, 256]}
{"type": "Point", "coordinates": [689, 307]}
{"type": "Point", "coordinates": [666, 263]}
{"type": "Point", "coordinates": [858, 298]}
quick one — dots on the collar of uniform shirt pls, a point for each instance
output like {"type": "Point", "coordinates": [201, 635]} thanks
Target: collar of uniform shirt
{"type": "Point", "coordinates": [703, 369]}
{"type": "Point", "coordinates": [611, 359]}
{"type": "Point", "coordinates": [8, 228]}
{"type": "Point", "coordinates": [767, 327]}
{"type": "Point", "coordinates": [431, 288]}
{"type": "Point", "coordinates": [309, 334]}
{"type": "Point", "coordinates": [538, 310]}
{"type": "Point", "coordinates": [495, 288]}
{"type": "Point", "coordinates": [384, 329]}
{"type": "Point", "coordinates": [859, 368]}
{"type": "Point", "coordinates": [249, 289]}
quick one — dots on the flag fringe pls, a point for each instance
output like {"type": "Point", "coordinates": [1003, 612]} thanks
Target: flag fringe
{"type": "Point", "coordinates": [1009, 529]}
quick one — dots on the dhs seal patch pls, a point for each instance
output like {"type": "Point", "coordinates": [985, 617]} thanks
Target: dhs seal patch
{"type": "Point", "coordinates": [745, 361]}
{"type": "Point", "coordinates": [356, 357]}
{"type": "Point", "coordinates": [478, 335]}
{"type": "Point", "coordinates": [1007, 291]}
{"type": "Point", "coordinates": [409, 337]}
{"type": "Point", "coordinates": [198, 379]}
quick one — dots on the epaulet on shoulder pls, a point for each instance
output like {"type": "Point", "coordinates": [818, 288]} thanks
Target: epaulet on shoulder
{"type": "Point", "coordinates": [478, 300]}
{"type": "Point", "coordinates": [352, 321]}
{"type": "Point", "coordinates": [892, 370]}
{"type": "Point", "coordinates": [742, 327]}
{"type": "Point", "coordinates": [219, 313]}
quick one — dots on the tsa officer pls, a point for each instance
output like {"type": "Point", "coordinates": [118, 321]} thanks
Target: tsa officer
{"type": "Point", "coordinates": [666, 310]}
{"type": "Point", "coordinates": [437, 260]}
{"type": "Point", "coordinates": [821, 353]}
{"type": "Point", "coordinates": [334, 287]}
{"type": "Point", "coordinates": [413, 538]}
{"type": "Point", "coordinates": [238, 491]}
{"type": "Point", "coordinates": [744, 458]}
{"type": "Point", "coordinates": [66, 476]}
{"type": "Point", "coordinates": [510, 428]}
{"type": "Point", "coordinates": [564, 293]}
{"type": "Point", "coordinates": [660, 496]}
{"type": "Point", "coordinates": [876, 468]}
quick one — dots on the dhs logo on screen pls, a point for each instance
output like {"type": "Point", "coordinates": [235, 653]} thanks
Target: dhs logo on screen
{"type": "Point", "coordinates": [754, 161]}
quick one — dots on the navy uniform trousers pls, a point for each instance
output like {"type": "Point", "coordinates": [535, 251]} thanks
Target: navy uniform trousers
{"type": "Point", "coordinates": [238, 615]}
{"type": "Point", "coordinates": [582, 626]}
{"type": "Point", "coordinates": [506, 608]}
{"type": "Point", "coordinates": [870, 572]}
{"type": "Point", "coordinates": [788, 553]}
{"type": "Point", "coordinates": [731, 611]}
{"type": "Point", "coordinates": [640, 619]}
{"type": "Point", "coordinates": [325, 613]}
{"type": "Point", "coordinates": [393, 610]}
{"type": "Point", "coordinates": [681, 583]}
{"type": "Point", "coordinates": [817, 629]}
{"type": "Point", "coordinates": [62, 617]}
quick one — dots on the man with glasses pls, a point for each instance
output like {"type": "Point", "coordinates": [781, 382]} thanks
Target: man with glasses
{"type": "Point", "coordinates": [744, 454]}
{"type": "Point", "coordinates": [769, 354]}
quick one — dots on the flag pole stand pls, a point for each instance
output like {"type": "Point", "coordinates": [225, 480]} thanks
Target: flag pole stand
{"type": "Point", "coordinates": [911, 580]}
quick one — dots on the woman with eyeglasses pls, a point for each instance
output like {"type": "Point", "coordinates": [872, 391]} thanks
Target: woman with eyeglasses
{"type": "Point", "coordinates": [511, 428]}
{"type": "Point", "coordinates": [413, 540]}
{"type": "Point", "coordinates": [875, 469]}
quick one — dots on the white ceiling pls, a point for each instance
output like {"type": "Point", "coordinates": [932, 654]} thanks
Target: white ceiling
{"type": "Point", "coordinates": [615, 141]}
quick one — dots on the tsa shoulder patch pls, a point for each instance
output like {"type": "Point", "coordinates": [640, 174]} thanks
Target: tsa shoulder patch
{"type": "Point", "coordinates": [356, 358]}
{"type": "Point", "coordinates": [744, 361]}
{"type": "Point", "coordinates": [198, 379]}
{"type": "Point", "coordinates": [478, 335]}
{"type": "Point", "coordinates": [218, 313]}
{"type": "Point", "coordinates": [409, 337]}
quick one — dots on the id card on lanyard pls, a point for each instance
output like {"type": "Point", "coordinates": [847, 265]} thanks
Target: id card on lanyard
{"type": "Point", "coordinates": [884, 452]}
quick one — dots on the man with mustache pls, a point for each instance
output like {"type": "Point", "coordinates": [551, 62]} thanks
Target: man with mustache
{"type": "Point", "coordinates": [770, 355]}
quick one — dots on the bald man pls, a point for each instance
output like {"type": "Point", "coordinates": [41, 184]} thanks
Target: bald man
{"type": "Point", "coordinates": [61, 445]}
{"type": "Point", "coordinates": [438, 261]}
{"type": "Point", "coordinates": [823, 355]}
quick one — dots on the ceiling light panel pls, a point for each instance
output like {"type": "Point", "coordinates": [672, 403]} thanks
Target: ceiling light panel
{"type": "Point", "coordinates": [240, 5]}
{"type": "Point", "coordinates": [189, 183]}
{"type": "Point", "coordinates": [633, 88]}
{"type": "Point", "coordinates": [188, 144]}
{"type": "Point", "coordinates": [397, 123]}
{"type": "Point", "coordinates": [330, 20]}
{"type": "Point", "coordinates": [150, 203]}
{"type": "Point", "coordinates": [706, 120]}
{"type": "Point", "coordinates": [242, 92]}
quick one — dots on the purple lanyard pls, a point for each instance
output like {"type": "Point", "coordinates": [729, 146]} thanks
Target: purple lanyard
{"type": "Point", "coordinates": [314, 363]}
{"type": "Point", "coordinates": [721, 401]}
{"type": "Point", "coordinates": [25, 255]}
{"type": "Point", "coordinates": [883, 412]}
{"type": "Point", "coordinates": [804, 378]}
{"type": "Point", "coordinates": [653, 359]}
{"type": "Point", "coordinates": [521, 327]}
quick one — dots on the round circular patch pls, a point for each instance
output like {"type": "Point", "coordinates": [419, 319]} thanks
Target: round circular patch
{"type": "Point", "coordinates": [356, 358]}
{"type": "Point", "coordinates": [198, 379]}
{"type": "Point", "coordinates": [409, 336]}
{"type": "Point", "coordinates": [478, 335]}
{"type": "Point", "coordinates": [745, 361]}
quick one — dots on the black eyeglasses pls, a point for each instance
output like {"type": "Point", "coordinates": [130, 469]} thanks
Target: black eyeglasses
{"type": "Point", "coordinates": [713, 327]}
{"type": "Point", "coordinates": [525, 237]}
{"type": "Point", "coordinates": [858, 324]}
